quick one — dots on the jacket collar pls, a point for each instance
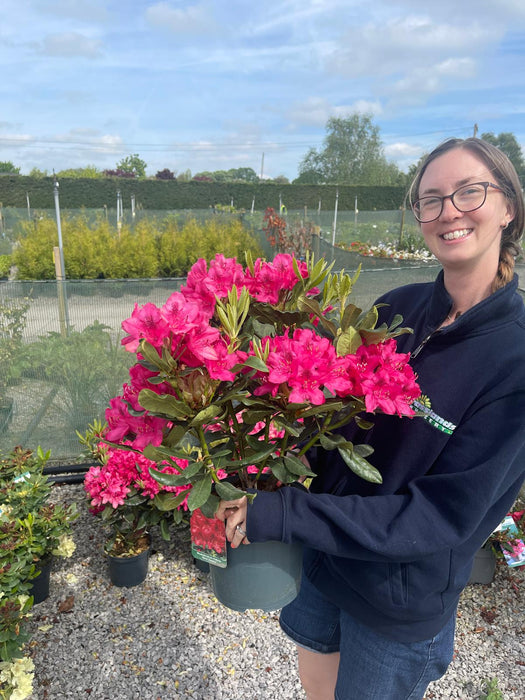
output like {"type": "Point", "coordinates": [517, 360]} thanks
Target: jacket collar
{"type": "Point", "coordinates": [505, 304]}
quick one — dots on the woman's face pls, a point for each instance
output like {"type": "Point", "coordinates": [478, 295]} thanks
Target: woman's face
{"type": "Point", "coordinates": [464, 240]}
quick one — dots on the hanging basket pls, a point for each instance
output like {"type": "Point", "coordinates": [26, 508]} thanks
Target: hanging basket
{"type": "Point", "coordinates": [262, 575]}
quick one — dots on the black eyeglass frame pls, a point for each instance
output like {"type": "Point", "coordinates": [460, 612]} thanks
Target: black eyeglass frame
{"type": "Point", "coordinates": [486, 185]}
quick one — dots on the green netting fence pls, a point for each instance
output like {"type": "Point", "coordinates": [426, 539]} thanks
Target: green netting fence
{"type": "Point", "coordinates": [61, 358]}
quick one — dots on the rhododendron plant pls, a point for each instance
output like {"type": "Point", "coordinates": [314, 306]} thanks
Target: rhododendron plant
{"type": "Point", "coordinates": [242, 371]}
{"type": "Point", "coordinates": [122, 491]}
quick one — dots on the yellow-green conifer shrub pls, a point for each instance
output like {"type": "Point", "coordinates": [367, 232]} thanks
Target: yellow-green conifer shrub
{"type": "Point", "coordinates": [137, 249]}
{"type": "Point", "coordinates": [33, 252]}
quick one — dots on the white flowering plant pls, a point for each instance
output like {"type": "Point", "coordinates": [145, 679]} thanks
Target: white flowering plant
{"type": "Point", "coordinates": [31, 528]}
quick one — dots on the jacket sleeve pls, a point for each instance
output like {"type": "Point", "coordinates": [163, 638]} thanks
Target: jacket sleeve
{"type": "Point", "coordinates": [461, 499]}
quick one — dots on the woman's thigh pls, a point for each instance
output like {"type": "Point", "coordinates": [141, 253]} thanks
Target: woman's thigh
{"type": "Point", "coordinates": [373, 667]}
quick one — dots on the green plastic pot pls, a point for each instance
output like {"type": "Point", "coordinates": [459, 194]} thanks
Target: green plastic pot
{"type": "Point", "coordinates": [263, 575]}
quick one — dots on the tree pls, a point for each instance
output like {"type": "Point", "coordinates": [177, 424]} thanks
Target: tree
{"type": "Point", "coordinates": [243, 175]}
{"type": "Point", "coordinates": [231, 175]}
{"type": "Point", "coordinates": [8, 168]}
{"type": "Point", "coordinates": [185, 176]}
{"type": "Point", "coordinates": [90, 171]}
{"type": "Point", "coordinates": [133, 164]}
{"type": "Point", "coordinates": [36, 172]}
{"type": "Point", "coordinates": [506, 141]}
{"type": "Point", "coordinates": [352, 154]}
{"type": "Point", "coordinates": [280, 180]}
{"type": "Point", "coordinates": [165, 174]}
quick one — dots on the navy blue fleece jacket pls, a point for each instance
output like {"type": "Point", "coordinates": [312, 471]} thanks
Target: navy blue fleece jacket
{"type": "Point", "coordinates": [397, 555]}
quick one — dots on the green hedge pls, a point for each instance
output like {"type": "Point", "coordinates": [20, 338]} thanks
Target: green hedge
{"type": "Point", "coordinates": [170, 194]}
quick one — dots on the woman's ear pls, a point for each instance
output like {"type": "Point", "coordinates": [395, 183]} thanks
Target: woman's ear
{"type": "Point", "coordinates": [509, 215]}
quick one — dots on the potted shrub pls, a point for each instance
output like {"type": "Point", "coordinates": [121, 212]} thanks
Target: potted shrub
{"type": "Point", "coordinates": [130, 502]}
{"type": "Point", "coordinates": [245, 369]}
{"type": "Point", "coordinates": [32, 530]}
{"type": "Point", "coordinates": [35, 528]}
{"type": "Point", "coordinates": [12, 323]}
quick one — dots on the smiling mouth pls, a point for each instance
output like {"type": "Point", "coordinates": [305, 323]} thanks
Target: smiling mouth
{"type": "Point", "coordinates": [453, 235]}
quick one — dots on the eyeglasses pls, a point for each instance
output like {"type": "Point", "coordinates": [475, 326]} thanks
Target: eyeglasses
{"type": "Point", "coordinates": [465, 199]}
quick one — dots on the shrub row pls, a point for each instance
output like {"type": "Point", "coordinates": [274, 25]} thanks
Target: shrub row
{"type": "Point", "coordinates": [152, 248]}
{"type": "Point", "coordinates": [170, 194]}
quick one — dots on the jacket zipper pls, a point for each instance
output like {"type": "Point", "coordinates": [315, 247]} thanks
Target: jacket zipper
{"type": "Point", "coordinates": [421, 345]}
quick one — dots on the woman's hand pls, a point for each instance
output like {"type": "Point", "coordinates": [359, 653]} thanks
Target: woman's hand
{"type": "Point", "coordinates": [233, 514]}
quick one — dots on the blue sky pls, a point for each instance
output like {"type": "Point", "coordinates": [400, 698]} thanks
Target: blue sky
{"type": "Point", "coordinates": [203, 85]}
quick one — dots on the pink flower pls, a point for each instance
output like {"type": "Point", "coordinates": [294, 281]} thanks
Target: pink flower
{"type": "Point", "coordinates": [145, 322]}
{"type": "Point", "coordinates": [271, 277]}
{"type": "Point", "coordinates": [220, 367]}
{"type": "Point", "coordinates": [142, 430]}
{"type": "Point", "coordinates": [203, 286]}
{"type": "Point", "coordinates": [388, 380]}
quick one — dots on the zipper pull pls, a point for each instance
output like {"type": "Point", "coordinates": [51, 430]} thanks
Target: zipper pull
{"type": "Point", "coordinates": [421, 345]}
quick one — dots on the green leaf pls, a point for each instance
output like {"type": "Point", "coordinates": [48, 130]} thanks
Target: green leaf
{"type": "Point", "coordinates": [348, 342]}
{"type": "Point", "coordinates": [312, 306]}
{"type": "Point", "coordinates": [328, 407]}
{"type": "Point", "coordinates": [252, 417]}
{"type": "Point", "coordinates": [210, 413]}
{"type": "Point", "coordinates": [149, 353]}
{"type": "Point", "coordinates": [228, 492]}
{"type": "Point", "coordinates": [296, 466]}
{"type": "Point", "coordinates": [164, 405]}
{"type": "Point", "coordinates": [135, 500]}
{"type": "Point", "coordinates": [165, 530]}
{"type": "Point", "coordinates": [210, 507]}
{"type": "Point", "coordinates": [262, 330]}
{"type": "Point", "coordinates": [374, 336]}
{"type": "Point", "coordinates": [255, 363]}
{"type": "Point", "coordinates": [175, 435]}
{"type": "Point", "coordinates": [254, 458]}
{"type": "Point", "coordinates": [330, 442]}
{"type": "Point", "coordinates": [281, 472]}
{"type": "Point", "coordinates": [363, 450]}
{"type": "Point", "coordinates": [350, 316]}
{"type": "Point", "coordinates": [359, 465]}
{"type": "Point", "coordinates": [199, 493]}
{"type": "Point", "coordinates": [166, 501]}
{"type": "Point", "coordinates": [369, 320]}
{"type": "Point", "coordinates": [364, 424]}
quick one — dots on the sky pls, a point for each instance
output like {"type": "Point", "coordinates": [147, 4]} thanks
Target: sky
{"type": "Point", "coordinates": [214, 85]}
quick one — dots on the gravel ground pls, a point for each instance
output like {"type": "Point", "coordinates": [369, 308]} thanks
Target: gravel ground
{"type": "Point", "coordinates": [169, 638]}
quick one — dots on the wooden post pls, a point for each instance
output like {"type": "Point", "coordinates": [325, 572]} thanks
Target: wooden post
{"type": "Point", "coordinates": [59, 272]}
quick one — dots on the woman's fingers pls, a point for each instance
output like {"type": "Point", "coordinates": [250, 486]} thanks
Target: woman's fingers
{"type": "Point", "coordinates": [233, 514]}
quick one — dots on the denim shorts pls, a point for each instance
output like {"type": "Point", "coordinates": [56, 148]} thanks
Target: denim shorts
{"type": "Point", "coordinates": [371, 666]}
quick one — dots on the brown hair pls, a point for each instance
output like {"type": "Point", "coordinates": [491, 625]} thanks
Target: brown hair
{"type": "Point", "coordinates": [506, 177]}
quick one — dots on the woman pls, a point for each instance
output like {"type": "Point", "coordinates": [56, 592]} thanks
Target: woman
{"type": "Point", "coordinates": [385, 564]}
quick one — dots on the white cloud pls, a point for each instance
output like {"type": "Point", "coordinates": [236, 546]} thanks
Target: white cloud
{"type": "Point", "coordinates": [315, 111]}
{"type": "Point", "coordinates": [71, 44]}
{"type": "Point", "coordinates": [394, 48]}
{"type": "Point", "coordinates": [402, 150]}
{"type": "Point", "coordinates": [196, 19]}
{"type": "Point", "coordinates": [423, 81]}
{"type": "Point", "coordinates": [92, 11]}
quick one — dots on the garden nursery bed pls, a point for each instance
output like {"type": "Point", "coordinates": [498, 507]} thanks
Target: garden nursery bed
{"type": "Point", "coordinates": [170, 638]}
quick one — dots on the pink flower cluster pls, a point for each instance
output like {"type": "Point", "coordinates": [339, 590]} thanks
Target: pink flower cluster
{"type": "Point", "coordinates": [306, 363]}
{"type": "Point", "coordinates": [184, 323]}
{"type": "Point", "coordinates": [303, 366]}
{"type": "Point", "coordinates": [265, 284]}
{"type": "Point", "coordinates": [122, 472]}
